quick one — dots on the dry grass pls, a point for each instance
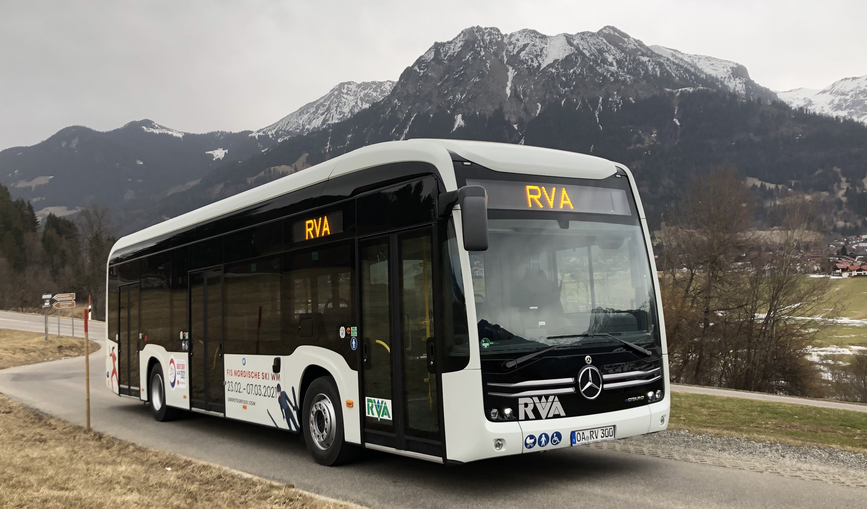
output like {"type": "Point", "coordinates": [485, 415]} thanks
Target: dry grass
{"type": "Point", "coordinates": [49, 463]}
{"type": "Point", "coordinates": [18, 348]}
{"type": "Point", "coordinates": [798, 425]}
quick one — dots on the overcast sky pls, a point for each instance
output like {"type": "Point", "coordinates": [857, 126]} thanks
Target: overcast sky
{"type": "Point", "coordinates": [200, 66]}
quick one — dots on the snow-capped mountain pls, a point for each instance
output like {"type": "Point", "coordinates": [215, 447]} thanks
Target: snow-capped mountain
{"type": "Point", "coordinates": [343, 101]}
{"type": "Point", "coordinates": [483, 69]}
{"type": "Point", "coordinates": [844, 98]}
{"type": "Point", "coordinates": [140, 160]}
{"type": "Point", "coordinates": [731, 75]}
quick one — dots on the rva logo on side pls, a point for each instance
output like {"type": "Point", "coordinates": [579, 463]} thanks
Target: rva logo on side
{"type": "Point", "coordinates": [378, 408]}
{"type": "Point", "coordinates": [529, 408]}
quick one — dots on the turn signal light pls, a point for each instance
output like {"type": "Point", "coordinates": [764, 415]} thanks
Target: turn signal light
{"type": "Point", "coordinates": [349, 403]}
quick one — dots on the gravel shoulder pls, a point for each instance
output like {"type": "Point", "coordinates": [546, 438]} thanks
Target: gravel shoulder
{"type": "Point", "coordinates": [822, 464]}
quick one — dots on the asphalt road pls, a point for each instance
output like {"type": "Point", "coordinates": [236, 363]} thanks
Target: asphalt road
{"type": "Point", "coordinates": [36, 323]}
{"type": "Point", "coordinates": [579, 477]}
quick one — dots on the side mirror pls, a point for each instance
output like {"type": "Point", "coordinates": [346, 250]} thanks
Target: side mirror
{"type": "Point", "coordinates": [473, 201]}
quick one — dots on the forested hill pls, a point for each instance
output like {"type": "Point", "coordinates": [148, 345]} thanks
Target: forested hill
{"type": "Point", "coordinates": [665, 139]}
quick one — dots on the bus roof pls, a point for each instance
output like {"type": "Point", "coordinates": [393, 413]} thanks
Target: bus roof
{"type": "Point", "coordinates": [496, 156]}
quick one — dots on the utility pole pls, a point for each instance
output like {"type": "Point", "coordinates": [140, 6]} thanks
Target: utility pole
{"type": "Point", "coordinates": [86, 370]}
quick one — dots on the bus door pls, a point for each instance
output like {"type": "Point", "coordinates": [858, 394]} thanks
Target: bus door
{"type": "Point", "coordinates": [128, 340]}
{"type": "Point", "coordinates": [206, 340]}
{"type": "Point", "coordinates": [400, 384]}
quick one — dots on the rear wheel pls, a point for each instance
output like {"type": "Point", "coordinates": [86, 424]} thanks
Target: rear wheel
{"type": "Point", "coordinates": [322, 421]}
{"type": "Point", "coordinates": [160, 410]}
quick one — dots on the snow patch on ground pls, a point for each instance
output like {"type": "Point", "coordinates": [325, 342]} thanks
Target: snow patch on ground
{"type": "Point", "coordinates": [158, 129]}
{"type": "Point", "coordinates": [509, 82]}
{"type": "Point", "coordinates": [38, 181]}
{"type": "Point", "coordinates": [459, 122]}
{"type": "Point", "coordinates": [218, 153]}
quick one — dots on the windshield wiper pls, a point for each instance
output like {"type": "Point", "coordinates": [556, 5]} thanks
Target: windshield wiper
{"type": "Point", "coordinates": [641, 349]}
{"type": "Point", "coordinates": [514, 362]}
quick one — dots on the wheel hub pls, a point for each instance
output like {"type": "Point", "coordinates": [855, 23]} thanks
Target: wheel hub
{"type": "Point", "coordinates": [322, 422]}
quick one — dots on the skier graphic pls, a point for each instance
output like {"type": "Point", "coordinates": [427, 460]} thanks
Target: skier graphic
{"type": "Point", "coordinates": [288, 408]}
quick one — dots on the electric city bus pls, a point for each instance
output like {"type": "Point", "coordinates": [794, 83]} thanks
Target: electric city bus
{"type": "Point", "coordinates": [444, 300]}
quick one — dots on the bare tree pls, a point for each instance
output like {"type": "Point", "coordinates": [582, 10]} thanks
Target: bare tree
{"type": "Point", "coordinates": [740, 312]}
{"type": "Point", "coordinates": [97, 236]}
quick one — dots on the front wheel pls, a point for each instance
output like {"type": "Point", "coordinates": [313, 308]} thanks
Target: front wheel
{"type": "Point", "coordinates": [322, 420]}
{"type": "Point", "coordinates": [160, 410]}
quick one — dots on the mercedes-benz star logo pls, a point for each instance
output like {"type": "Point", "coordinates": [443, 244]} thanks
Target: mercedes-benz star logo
{"type": "Point", "coordinates": [590, 382]}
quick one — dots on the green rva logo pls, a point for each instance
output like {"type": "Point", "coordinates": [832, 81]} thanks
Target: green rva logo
{"type": "Point", "coordinates": [379, 408]}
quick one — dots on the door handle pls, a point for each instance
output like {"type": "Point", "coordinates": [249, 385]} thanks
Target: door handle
{"type": "Point", "coordinates": [431, 354]}
{"type": "Point", "coordinates": [365, 351]}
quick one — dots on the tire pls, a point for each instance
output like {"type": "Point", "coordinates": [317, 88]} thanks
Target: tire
{"type": "Point", "coordinates": [157, 397]}
{"type": "Point", "coordinates": [322, 424]}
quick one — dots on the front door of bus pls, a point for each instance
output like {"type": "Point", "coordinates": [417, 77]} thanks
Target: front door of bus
{"type": "Point", "coordinates": [206, 340]}
{"type": "Point", "coordinates": [400, 394]}
{"type": "Point", "coordinates": [128, 340]}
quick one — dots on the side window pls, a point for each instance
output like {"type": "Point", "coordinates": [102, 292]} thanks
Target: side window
{"type": "Point", "coordinates": [251, 308]}
{"type": "Point", "coordinates": [318, 298]}
{"type": "Point", "coordinates": [156, 300]}
{"type": "Point", "coordinates": [456, 355]}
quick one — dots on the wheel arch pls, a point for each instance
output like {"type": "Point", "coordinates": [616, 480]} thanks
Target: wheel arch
{"type": "Point", "coordinates": [152, 361]}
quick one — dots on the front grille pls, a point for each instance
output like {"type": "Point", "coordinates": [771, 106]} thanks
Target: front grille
{"type": "Point", "coordinates": [545, 388]}
{"type": "Point", "coordinates": [625, 379]}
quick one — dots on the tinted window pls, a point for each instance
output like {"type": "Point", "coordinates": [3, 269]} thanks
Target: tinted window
{"type": "Point", "coordinates": [456, 355]}
{"type": "Point", "coordinates": [259, 241]}
{"type": "Point", "coordinates": [179, 316]}
{"type": "Point", "coordinates": [251, 307]}
{"type": "Point", "coordinates": [318, 297]}
{"type": "Point", "coordinates": [156, 300]}
{"type": "Point", "coordinates": [397, 206]}
{"type": "Point", "coordinates": [112, 332]}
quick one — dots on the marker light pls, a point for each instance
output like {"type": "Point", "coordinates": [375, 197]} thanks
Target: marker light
{"type": "Point", "coordinates": [650, 396]}
{"type": "Point", "coordinates": [499, 444]}
{"type": "Point", "coordinates": [494, 414]}
{"type": "Point", "coordinates": [507, 413]}
{"type": "Point", "coordinates": [659, 394]}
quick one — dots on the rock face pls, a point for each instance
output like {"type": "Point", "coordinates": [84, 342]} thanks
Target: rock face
{"type": "Point", "coordinates": [844, 98]}
{"type": "Point", "coordinates": [483, 70]}
{"type": "Point", "coordinates": [342, 102]}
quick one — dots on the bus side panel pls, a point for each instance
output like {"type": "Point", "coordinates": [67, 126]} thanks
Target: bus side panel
{"type": "Point", "coordinates": [254, 393]}
{"type": "Point", "coordinates": [344, 376]}
{"type": "Point", "coordinates": [175, 374]}
{"type": "Point", "coordinates": [469, 435]}
{"type": "Point", "coordinates": [111, 377]}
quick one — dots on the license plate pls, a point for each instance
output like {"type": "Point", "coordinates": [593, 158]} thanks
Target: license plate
{"type": "Point", "coordinates": [588, 436]}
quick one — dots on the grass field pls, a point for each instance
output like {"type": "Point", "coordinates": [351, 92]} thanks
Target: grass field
{"type": "Point", "coordinates": [799, 425]}
{"type": "Point", "coordinates": [852, 295]}
{"type": "Point", "coordinates": [49, 463]}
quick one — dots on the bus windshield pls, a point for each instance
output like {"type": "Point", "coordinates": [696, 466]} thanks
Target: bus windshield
{"type": "Point", "coordinates": [546, 283]}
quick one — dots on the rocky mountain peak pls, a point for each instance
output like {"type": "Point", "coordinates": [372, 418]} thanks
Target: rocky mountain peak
{"type": "Point", "coordinates": [843, 98]}
{"type": "Point", "coordinates": [341, 102]}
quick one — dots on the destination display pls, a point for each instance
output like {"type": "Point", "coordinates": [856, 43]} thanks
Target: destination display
{"type": "Point", "coordinates": [317, 227]}
{"type": "Point", "coordinates": [562, 198]}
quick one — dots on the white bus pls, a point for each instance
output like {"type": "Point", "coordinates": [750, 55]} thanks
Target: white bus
{"type": "Point", "coordinates": [444, 300]}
